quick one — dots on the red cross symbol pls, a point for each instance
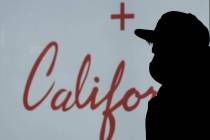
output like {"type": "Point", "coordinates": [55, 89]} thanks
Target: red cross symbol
{"type": "Point", "coordinates": [122, 16]}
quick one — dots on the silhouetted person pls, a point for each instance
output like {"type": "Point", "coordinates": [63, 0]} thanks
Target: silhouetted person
{"type": "Point", "coordinates": [181, 65]}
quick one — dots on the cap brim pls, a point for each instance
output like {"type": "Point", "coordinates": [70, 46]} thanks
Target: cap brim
{"type": "Point", "coordinates": [147, 35]}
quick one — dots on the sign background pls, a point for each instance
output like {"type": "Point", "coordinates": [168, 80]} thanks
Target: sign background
{"type": "Point", "coordinates": [79, 27]}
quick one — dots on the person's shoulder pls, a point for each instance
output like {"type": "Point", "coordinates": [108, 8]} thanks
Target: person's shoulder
{"type": "Point", "coordinates": [154, 101]}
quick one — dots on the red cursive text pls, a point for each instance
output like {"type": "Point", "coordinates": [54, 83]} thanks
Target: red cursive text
{"type": "Point", "coordinates": [108, 117]}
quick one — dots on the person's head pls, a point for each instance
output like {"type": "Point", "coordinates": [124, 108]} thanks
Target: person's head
{"type": "Point", "coordinates": [179, 41]}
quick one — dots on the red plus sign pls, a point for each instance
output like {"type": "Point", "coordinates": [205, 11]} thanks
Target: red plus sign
{"type": "Point", "coordinates": [122, 16]}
